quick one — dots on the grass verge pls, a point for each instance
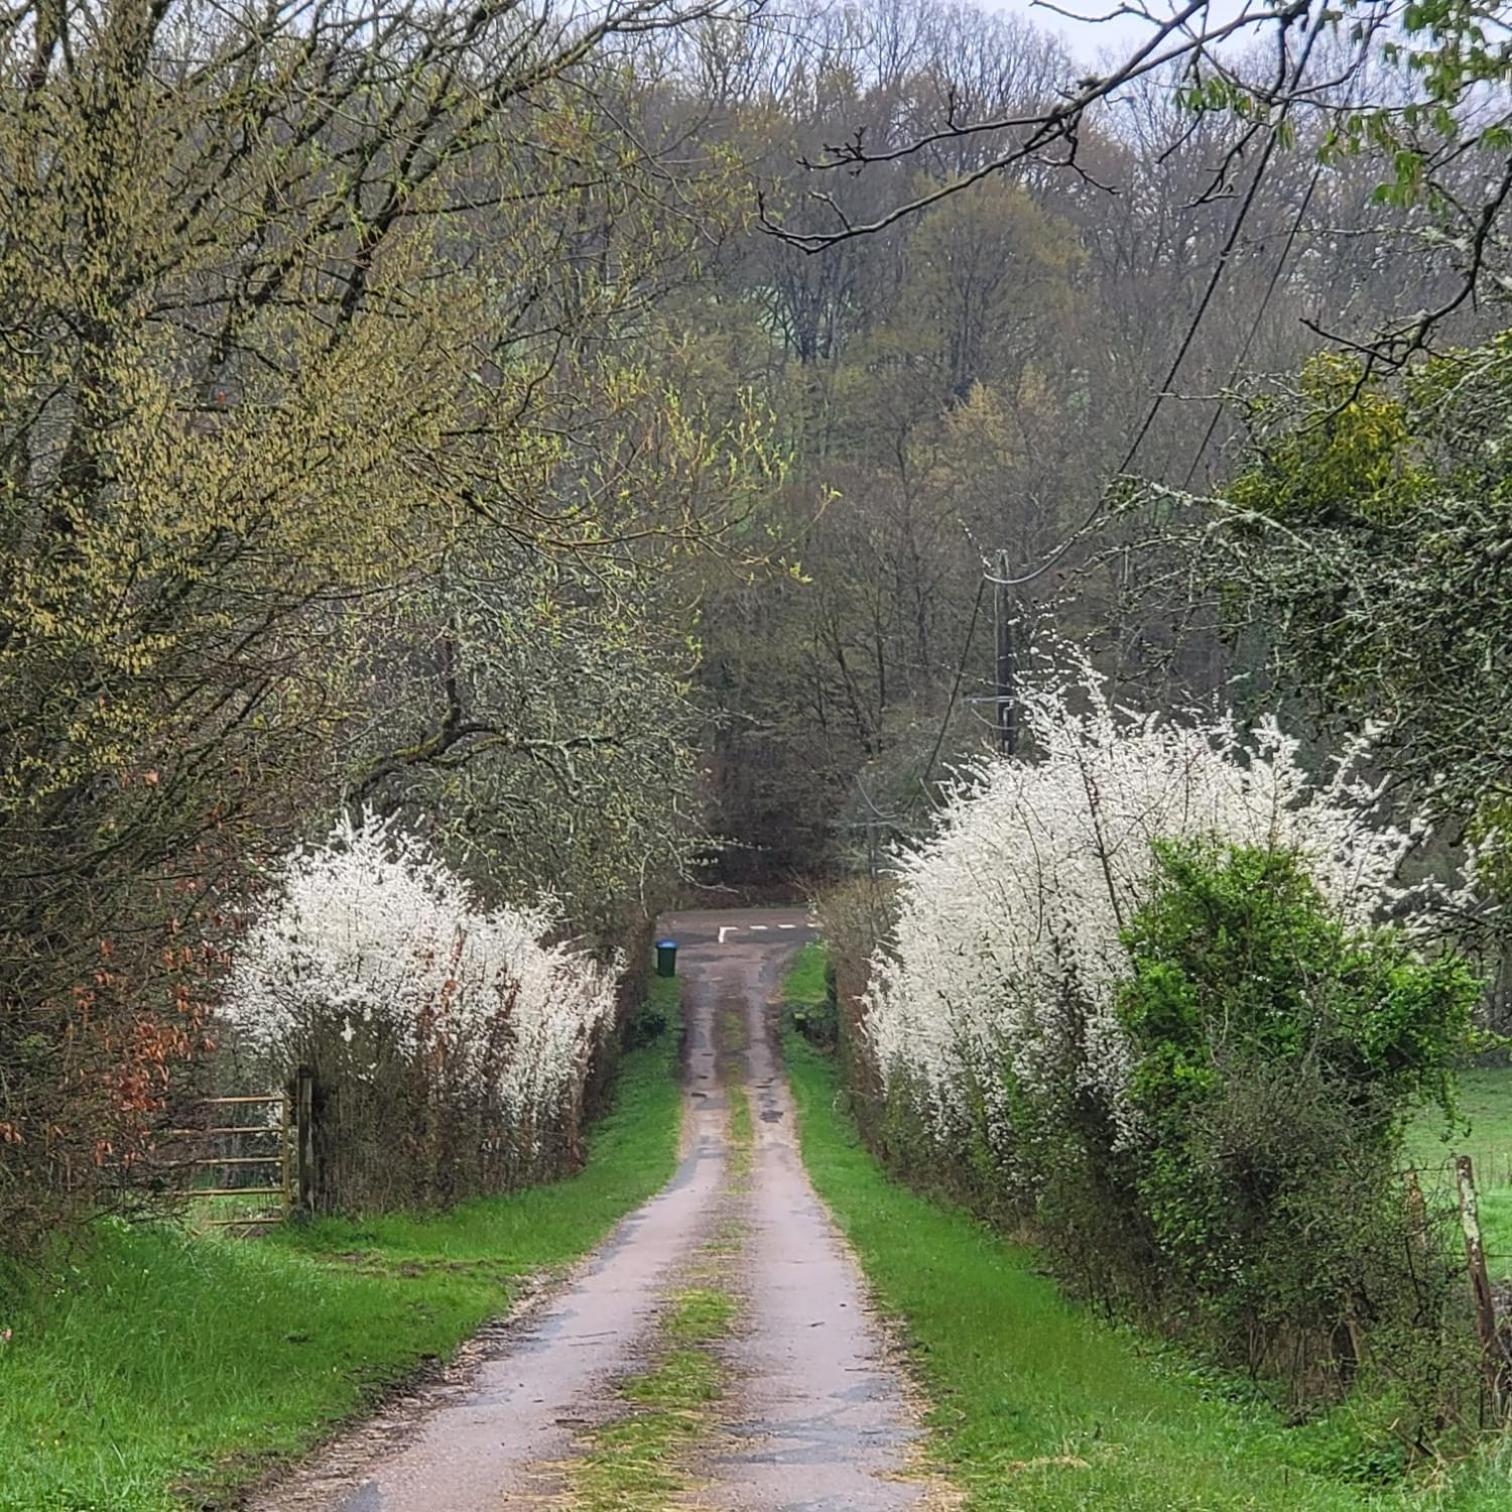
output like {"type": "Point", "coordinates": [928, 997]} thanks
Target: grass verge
{"type": "Point", "coordinates": [804, 986]}
{"type": "Point", "coordinates": [1040, 1406]}
{"type": "Point", "coordinates": [156, 1369]}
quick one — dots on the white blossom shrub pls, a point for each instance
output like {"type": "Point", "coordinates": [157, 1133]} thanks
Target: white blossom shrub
{"type": "Point", "coordinates": [455, 1025]}
{"type": "Point", "coordinates": [1010, 915]}
{"type": "Point", "coordinates": [1138, 992]}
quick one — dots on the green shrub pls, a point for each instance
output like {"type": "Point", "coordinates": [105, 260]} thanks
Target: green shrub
{"type": "Point", "coordinates": [1276, 1058]}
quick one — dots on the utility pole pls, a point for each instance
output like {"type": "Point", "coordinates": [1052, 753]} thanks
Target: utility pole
{"type": "Point", "coordinates": [1007, 690]}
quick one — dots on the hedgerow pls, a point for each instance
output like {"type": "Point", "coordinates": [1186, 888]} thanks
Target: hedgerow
{"type": "Point", "coordinates": [1275, 1053]}
{"type": "Point", "coordinates": [451, 1044]}
{"type": "Point", "coordinates": [1139, 996]}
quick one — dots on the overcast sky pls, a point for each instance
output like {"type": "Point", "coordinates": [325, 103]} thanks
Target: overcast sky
{"type": "Point", "coordinates": [1089, 40]}
{"type": "Point", "coordinates": [1086, 39]}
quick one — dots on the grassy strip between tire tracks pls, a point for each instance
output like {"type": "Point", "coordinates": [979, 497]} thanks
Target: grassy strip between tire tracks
{"type": "Point", "coordinates": [1038, 1405]}
{"type": "Point", "coordinates": [637, 1463]}
{"type": "Point", "coordinates": [640, 1460]}
{"type": "Point", "coordinates": [157, 1370]}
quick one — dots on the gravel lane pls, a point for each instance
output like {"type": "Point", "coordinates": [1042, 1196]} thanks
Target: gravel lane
{"type": "Point", "coordinates": [816, 1417]}
{"type": "Point", "coordinates": [819, 1419]}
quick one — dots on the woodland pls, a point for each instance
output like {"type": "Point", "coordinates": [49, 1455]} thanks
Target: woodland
{"type": "Point", "coordinates": [474, 476]}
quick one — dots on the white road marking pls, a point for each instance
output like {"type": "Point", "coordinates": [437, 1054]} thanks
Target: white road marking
{"type": "Point", "coordinates": [729, 929]}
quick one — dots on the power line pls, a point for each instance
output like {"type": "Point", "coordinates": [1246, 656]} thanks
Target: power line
{"type": "Point", "coordinates": [1270, 289]}
{"type": "Point", "coordinates": [1001, 580]}
{"type": "Point", "coordinates": [1232, 240]}
{"type": "Point", "coordinates": [1219, 268]}
{"type": "Point", "coordinates": [1005, 712]}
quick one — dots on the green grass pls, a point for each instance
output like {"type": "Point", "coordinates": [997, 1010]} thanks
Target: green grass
{"type": "Point", "coordinates": [804, 985]}
{"type": "Point", "coordinates": [157, 1369]}
{"type": "Point", "coordinates": [1483, 1131]}
{"type": "Point", "coordinates": [1483, 1128]}
{"type": "Point", "coordinates": [1040, 1405]}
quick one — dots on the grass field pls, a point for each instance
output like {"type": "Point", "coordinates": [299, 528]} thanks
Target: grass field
{"type": "Point", "coordinates": [157, 1369]}
{"type": "Point", "coordinates": [1484, 1132]}
{"type": "Point", "coordinates": [1040, 1406]}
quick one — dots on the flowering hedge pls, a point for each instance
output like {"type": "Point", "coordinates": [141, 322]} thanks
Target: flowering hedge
{"type": "Point", "coordinates": [1009, 942]}
{"type": "Point", "coordinates": [1138, 994]}
{"type": "Point", "coordinates": [451, 1043]}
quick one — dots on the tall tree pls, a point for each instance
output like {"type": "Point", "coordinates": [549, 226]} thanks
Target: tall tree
{"type": "Point", "coordinates": [294, 297]}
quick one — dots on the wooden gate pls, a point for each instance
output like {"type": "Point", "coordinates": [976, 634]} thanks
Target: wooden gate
{"type": "Point", "coordinates": [251, 1136]}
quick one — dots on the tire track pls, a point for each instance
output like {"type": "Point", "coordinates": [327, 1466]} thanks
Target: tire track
{"type": "Point", "coordinates": [814, 1415]}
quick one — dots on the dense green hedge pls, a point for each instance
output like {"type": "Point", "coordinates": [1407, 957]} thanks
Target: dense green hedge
{"type": "Point", "coordinates": [1245, 1189]}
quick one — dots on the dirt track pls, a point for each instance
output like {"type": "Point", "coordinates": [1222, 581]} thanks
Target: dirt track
{"type": "Point", "coordinates": [815, 1417]}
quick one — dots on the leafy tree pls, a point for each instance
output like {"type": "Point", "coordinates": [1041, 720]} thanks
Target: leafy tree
{"type": "Point", "coordinates": [533, 716]}
{"type": "Point", "coordinates": [293, 299]}
{"type": "Point", "coordinates": [1364, 540]}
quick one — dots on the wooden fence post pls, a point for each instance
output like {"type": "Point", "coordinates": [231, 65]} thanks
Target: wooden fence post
{"type": "Point", "coordinates": [1493, 1355]}
{"type": "Point", "coordinates": [1417, 1211]}
{"type": "Point", "coordinates": [304, 1114]}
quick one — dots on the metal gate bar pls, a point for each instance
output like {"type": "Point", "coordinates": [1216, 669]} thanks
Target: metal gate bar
{"type": "Point", "coordinates": [280, 1161]}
